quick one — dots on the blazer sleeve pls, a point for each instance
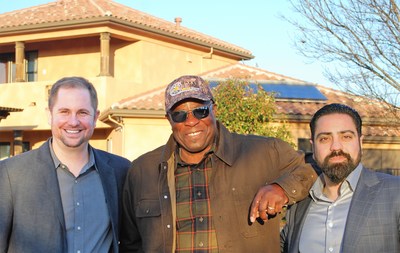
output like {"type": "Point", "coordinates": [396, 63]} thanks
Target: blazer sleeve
{"type": "Point", "coordinates": [6, 212]}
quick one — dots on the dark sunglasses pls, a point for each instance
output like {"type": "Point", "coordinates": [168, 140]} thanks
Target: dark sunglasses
{"type": "Point", "coordinates": [198, 113]}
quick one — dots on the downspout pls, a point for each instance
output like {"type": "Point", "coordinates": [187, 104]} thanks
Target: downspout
{"type": "Point", "coordinates": [207, 56]}
{"type": "Point", "coordinates": [121, 128]}
{"type": "Point", "coordinates": [115, 122]}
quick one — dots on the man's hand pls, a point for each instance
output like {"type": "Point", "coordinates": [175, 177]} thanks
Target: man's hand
{"type": "Point", "coordinates": [269, 200]}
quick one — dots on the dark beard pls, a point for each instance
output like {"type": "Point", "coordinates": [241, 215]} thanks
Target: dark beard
{"type": "Point", "coordinates": [338, 172]}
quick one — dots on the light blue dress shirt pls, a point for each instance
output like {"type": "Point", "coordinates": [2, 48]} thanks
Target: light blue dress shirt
{"type": "Point", "coordinates": [87, 220]}
{"type": "Point", "coordinates": [326, 220]}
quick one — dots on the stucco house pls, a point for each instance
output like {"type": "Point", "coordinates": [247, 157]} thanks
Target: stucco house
{"type": "Point", "coordinates": [131, 56]}
{"type": "Point", "coordinates": [122, 51]}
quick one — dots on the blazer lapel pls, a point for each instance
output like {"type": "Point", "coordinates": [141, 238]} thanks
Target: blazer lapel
{"type": "Point", "coordinates": [47, 172]}
{"type": "Point", "coordinates": [109, 183]}
{"type": "Point", "coordinates": [365, 194]}
{"type": "Point", "coordinates": [301, 212]}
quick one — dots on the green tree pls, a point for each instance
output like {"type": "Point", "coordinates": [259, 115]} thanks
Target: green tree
{"type": "Point", "coordinates": [246, 109]}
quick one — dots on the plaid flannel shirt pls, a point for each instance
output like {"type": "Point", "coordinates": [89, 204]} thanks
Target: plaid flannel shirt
{"type": "Point", "coordinates": [195, 228]}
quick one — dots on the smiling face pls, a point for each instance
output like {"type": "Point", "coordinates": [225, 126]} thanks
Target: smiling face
{"type": "Point", "coordinates": [195, 136]}
{"type": "Point", "coordinates": [337, 146]}
{"type": "Point", "coordinates": [72, 118]}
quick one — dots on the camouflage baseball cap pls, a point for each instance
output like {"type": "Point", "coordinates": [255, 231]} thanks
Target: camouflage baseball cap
{"type": "Point", "coordinates": [186, 87]}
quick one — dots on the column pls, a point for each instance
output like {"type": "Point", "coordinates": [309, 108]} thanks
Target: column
{"type": "Point", "coordinates": [17, 142]}
{"type": "Point", "coordinates": [19, 61]}
{"type": "Point", "coordinates": [105, 54]}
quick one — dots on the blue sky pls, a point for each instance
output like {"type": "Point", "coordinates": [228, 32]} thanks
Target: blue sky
{"type": "Point", "coordinates": [253, 24]}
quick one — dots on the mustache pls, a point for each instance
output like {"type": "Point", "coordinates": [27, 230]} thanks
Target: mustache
{"type": "Point", "coordinates": [338, 153]}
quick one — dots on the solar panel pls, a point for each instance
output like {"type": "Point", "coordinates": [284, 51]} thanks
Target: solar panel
{"type": "Point", "coordinates": [287, 91]}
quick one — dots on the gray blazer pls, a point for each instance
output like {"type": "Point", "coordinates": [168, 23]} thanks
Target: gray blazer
{"type": "Point", "coordinates": [31, 213]}
{"type": "Point", "coordinates": [373, 222]}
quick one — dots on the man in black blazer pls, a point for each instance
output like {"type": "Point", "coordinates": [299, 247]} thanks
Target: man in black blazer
{"type": "Point", "coordinates": [350, 208]}
{"type": "Point", "coordinates": [65, 195]}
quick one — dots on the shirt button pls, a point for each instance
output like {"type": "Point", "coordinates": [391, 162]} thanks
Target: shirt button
{"type": "Point", "coordinates": [201, 244]}
{"type": "Point", "coordinates": [168, 226]}
{"type": "Point", "coordinates": [77, 203]}
{"type": "Point", "coordinates": [330, 249]}
{"type": "Point", "coordinates": [78, 251]}
{"type": "Point", "coordinates": [165, 196]}
{"type": "Point", "coordinates": [199, 194]}
{"type": "Point", "coordinates": [79, 228]}
{"type": "Point", "coordinates": [201, 219]}
{"type": "Point", "coordinates": [294, 191]}
{"type": "Point", "coordinates": [330, 224]}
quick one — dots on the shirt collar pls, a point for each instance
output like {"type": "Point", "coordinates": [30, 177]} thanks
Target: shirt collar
{"type": "Point", "coordinates": [182, 163]}
{"type": "Point", "coordinates": [57, 162]}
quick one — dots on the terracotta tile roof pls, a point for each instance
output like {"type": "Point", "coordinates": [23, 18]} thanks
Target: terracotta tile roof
{"type": "Point", "coordinates": [84, 10]}
{"type": "Point", "coordinates": [5, 111]}
{"type": "Point", "coordinates": [241, 71]}
{"type": "Point", "coordinates": [150, 100]}
{"type": "Point", "coordinates": [10, 109]}
{"type": "Point", "coordinates": [154, 99]}
{"type": "Point", "coordinates": [372, 112]}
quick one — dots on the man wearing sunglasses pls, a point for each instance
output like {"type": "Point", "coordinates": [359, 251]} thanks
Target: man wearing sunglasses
{"type": "Point", "coordinates": [207, 189]}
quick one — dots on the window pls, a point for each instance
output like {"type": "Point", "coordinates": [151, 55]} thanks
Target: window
{"type": "Point", "coordinates": [8, 67]}
{"type": "Point", "coordinates": [304, 145]}
{"type": "Point", "coordinates": [25, 146]}
{"type": "Point", "coordinates": [31, 66]}
{"type": "Point", "coordinates": [5, 150]}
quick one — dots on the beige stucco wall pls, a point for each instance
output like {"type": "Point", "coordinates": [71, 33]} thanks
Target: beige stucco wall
{"type": "Point", "coordinates": [137, 64]}
{"type": "Point", "coordinates": [139, 136]}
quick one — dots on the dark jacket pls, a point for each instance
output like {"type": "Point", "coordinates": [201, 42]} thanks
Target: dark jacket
{"type": "Point", "coordinates": [31, 213]}
{"type": "Point", "coordinates": [373, 221]}
{"type": "Point", "coordinates": [241, 165]}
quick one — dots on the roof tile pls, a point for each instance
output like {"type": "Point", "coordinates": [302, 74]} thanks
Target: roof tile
{"type": "Point", "coordinates": [368, 109]}
{"type": "Point", "coordinates": [66, 10]}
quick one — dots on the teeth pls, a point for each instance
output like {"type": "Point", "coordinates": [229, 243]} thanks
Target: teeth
{"type": "Point", "coordinates": [72, 131]}
{"type": "Point", "coordinates": [194, 134]}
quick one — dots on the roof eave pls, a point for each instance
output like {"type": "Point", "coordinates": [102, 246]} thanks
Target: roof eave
{"type": "Point", "coordinates": [131, 113]}
{"type": "Point", "coordinates": [95, 21]}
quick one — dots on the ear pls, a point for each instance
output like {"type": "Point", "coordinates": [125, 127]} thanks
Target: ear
{"type": "Point", "coordinates": [312, 148]}
{"type": "Point", "coordinates": [49, 116]}
{"type": "Point", "coordinates": [96, 116]}
{"type": "Point", "coordinates": [214, 107]}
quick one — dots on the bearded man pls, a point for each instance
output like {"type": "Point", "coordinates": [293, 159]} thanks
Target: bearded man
{"type": "Point", "coordinates": [349, 208]}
